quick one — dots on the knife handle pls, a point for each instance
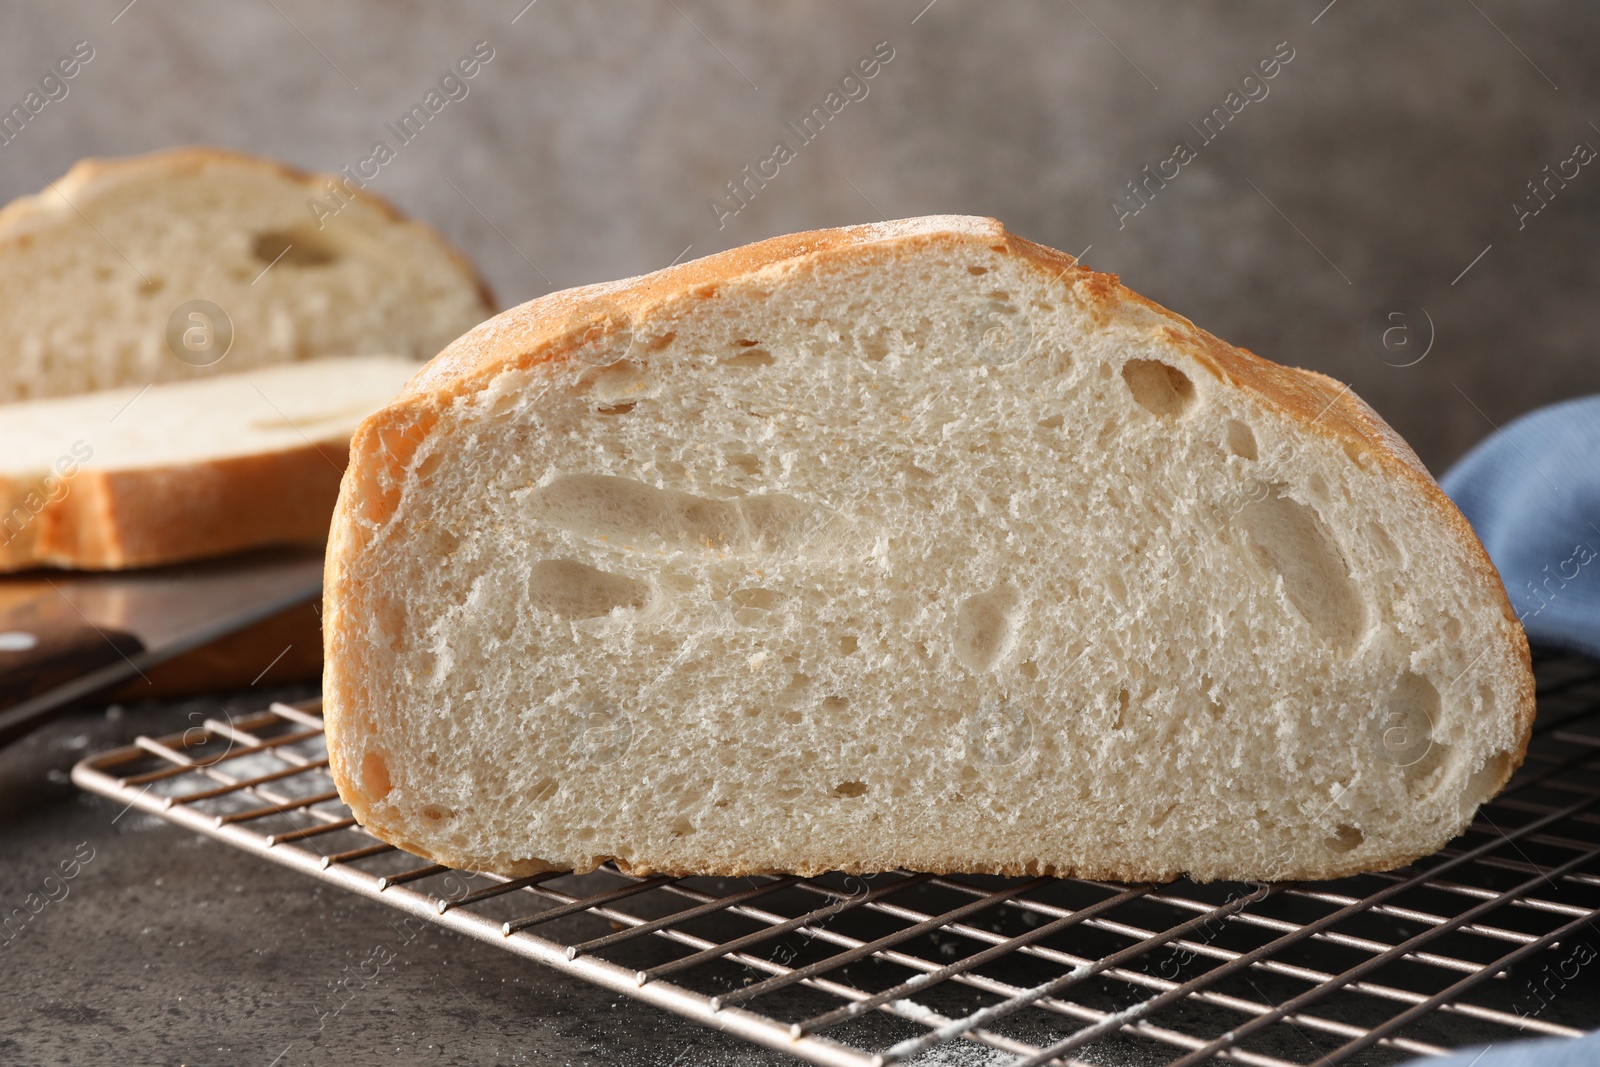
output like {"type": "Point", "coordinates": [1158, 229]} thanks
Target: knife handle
{"type": "Point", "coordinates": [52, 651]}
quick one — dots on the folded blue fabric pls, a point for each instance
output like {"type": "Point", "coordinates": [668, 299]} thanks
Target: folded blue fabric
{"type": "Point", "coordinates": [1553, 1052]}
{"type": "Point", "coordinates": [1532, 492]}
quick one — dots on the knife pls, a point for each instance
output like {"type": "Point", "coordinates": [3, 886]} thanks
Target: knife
{"type": "Point", "coordinates": [65, 635]}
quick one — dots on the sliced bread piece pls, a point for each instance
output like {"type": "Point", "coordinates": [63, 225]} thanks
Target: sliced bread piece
{"type": "Point", "coordinates": [98, 271]}
{"type": "Point", "coordinates": [130, 477]}
{"type": "Point", "coordinates": [913, 545]}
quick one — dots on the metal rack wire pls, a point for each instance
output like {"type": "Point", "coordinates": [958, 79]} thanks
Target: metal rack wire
{"type": "Point", "coordinates": [1484, 942]}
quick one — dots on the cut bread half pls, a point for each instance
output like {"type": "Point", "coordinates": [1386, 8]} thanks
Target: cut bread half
{"type": "Point", "coordinates": [131, 477]}
{"type": "Point", "coordinates": [105, 270]}
{"type": "Point", "coordinates": [916, 546]}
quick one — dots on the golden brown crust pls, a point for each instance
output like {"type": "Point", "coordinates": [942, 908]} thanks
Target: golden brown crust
{"type": "Point", "coordinates": [69, 194]}
{"type": "Point", "coordinates": [107, 520]}
{"type": "Point", "coordinates": [551, 328]}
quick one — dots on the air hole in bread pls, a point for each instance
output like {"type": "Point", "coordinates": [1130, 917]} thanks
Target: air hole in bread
{"type": "Point", "coordinates": [765, 599]}
{"type": "Point", "coordinates": [429, 464]}
{"type": "Point", "coordinates": [1345, 838]}
{"type": "Point", "coordinates": [1486, 781]}
{"type": "Point", "coordinates": [985, 628]}
{"type": "Point", "coordinates": [750, 357]}
{"type": "Point", "coordinates": [616, 383]}
{"type": "Point", "coordinates": [1424, 775]}
{"type": "Point", "coordinates": [506, 404]}
{"type": "Point", "coordinates": [572, 590]}
{"type": "Point", "coordinates": [874, 347]}
{"type": "Point", "coordinates": [1162, 817]}
{"type": "Point", "coordinates": [615, 409]}
{"type": "Point", "coordinates": [434, 813]}
{"type": "Point", "coordinates": [1163, 390]}
{"type": "Point", "coordinates": [152, 285]}
{"type": "Point", "coordinates": [977, 270]}
{"type": "Point", "coordinates": [613, 508]}
{"type": "Point", "coordinates": [293, 248]}
{"type": "Point", "coordinates": [1452, 629]}
{"type": "Point", "coordinates": [375, 781]}
{"type": "Point", "coordinates": [848, 643]}
{"type": "Point", "coordinates": [1051, 422]}
{"type": "Point", "coordinates": [544, 789]}
{"type": "Point", "coordinates": [1407, 720]}
{"type": "Point", "coordinates": [1029, 670]}
{"type": "Point", "coordinates": [1290, 541]}
{"type": "Point", "coordinates": [1241, 440]}
{"type": "Point", "coordinates": [681, 826]}
{"type": "Point", "coordinates": [848, 789]}
{"type": "Point", "coordinates": [834, 703]}
{"type": "Point", "coordinates": [1384, 545]}
{"type": "Point", "coordinates": [1123, 700]}
{"type": "Point", "coordinates": [745, 462]}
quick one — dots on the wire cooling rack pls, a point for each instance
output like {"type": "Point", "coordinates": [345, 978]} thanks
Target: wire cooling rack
{"type": "Point", "coordinates": [1485, 942]}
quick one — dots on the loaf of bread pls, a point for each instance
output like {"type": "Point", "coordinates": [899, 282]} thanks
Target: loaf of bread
{"type": "Point", "coordinates": [100, 269]}
{"type": "Point", "coordinates": [136, 476]}
{"type": "Point", "coordinates": [911, 545]}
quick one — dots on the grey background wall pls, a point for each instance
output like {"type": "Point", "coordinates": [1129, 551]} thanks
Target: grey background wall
{"type": "Point", "coordinates": [1383, 159]}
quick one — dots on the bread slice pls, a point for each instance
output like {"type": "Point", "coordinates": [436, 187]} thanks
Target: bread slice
{"type": "Point", "coordinates": [99, 269]}
{"type": "Point", "coordinates": [130, 477]}
{"type": "Point", "coordinates": [912, 545]}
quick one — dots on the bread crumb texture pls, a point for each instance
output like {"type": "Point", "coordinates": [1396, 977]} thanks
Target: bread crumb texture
{"type": "Point", "coordinates": [910, 546]}
{"type": "Point", "coordinates": [96, 265]}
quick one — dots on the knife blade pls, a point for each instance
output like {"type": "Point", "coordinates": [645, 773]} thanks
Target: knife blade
{"type": "Point", "coordinates": [65, 635]}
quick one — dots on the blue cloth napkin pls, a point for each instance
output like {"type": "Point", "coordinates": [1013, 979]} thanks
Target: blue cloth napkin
{"type": "Point", "coordinates": [1553, 1052]}
{"type": "Point", "coordinates": [1532, 492]}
